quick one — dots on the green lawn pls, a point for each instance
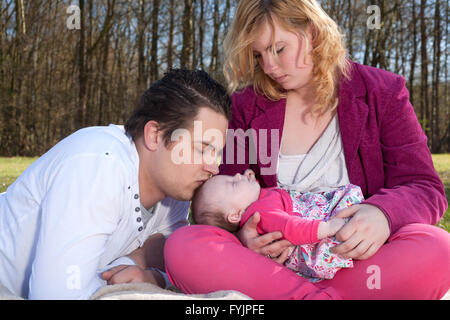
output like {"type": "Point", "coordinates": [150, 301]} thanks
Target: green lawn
{"type": "Point", "coordinates": [442, 165]}
{"type": "Point", "coordinates": [11, 168]}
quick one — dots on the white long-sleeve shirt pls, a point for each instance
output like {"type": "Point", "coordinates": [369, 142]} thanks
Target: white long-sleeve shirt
{"type": "Point", "coordinates": [72, 212]}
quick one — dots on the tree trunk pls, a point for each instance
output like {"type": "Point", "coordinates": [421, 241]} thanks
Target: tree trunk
{"type": "Point", "coordinates": [82, 78]}
{"type": "Point", "coordinates": [171, 30]}
{"type": "Point", "coordinates": [186, 51]}
{"type": "Point", "coordinates": [104, 68]}
{"type": "Point", "coordinates": [142, 25]}
{"type": "Point", "coordinates": [154, 49]}
{"type": "Point", "coordinates": [414, 53]}
{"type": "Point", "coordinates": [424, 103]}
{"type": "Point", "coordinates": [435, 139]}
{"type": "Point", "coordinates": [201, 33]}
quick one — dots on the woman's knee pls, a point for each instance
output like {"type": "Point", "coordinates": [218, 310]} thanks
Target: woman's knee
{"type": "Point", "coordinates": [433, 238]}
{"type": "Point", "coordinates": [196, 237]}
{"type": "Point", "coordinates": [191, 249]}
{"type": "Point", "coordinates": [431, 247]}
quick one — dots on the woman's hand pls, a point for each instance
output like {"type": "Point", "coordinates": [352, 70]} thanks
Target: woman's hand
{"type": "Point", "coordinates": [329, 228]}
{"type": "Point", "coordinates": [268, 244]}
{"type": "Point", "coordinates": [132, 274]}
{"type": "Point", "coordinates": [364, 234]}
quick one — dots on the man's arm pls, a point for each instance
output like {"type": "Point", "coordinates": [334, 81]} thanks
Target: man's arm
{"type": "Point", "coordinates": [151, 254]}
{"type": "Point", "coordinates": [149, 258]}
{"type": "Point", "coordinates": [79, 212]}
{"type": "Point", "coordinates": [148, 264]}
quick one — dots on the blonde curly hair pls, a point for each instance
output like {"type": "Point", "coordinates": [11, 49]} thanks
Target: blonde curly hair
{"type": "Point", "coordinates": [328, 49]}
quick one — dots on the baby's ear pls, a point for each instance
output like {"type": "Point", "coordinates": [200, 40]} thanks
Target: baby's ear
{"type": "Point", "coordinates": [234, 215]}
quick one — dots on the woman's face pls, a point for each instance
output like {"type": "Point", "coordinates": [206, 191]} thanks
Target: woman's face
{"type": "Point", "coordinates": [289, 69]}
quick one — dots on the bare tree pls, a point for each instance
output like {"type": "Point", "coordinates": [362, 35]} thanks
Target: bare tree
{"type": "Point", "coordinates": [154, 50]}
{"type": "Point", "coordinates": [424, 101]}
{"type": "Point", "coordinates": [186, 51]}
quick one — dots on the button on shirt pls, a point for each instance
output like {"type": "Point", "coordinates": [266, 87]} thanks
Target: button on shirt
{"type": "Point", "coordinates": [74, 211]}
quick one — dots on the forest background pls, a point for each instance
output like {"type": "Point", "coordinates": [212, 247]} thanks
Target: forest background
{"type": "Point", "coordinates": [65, 65]}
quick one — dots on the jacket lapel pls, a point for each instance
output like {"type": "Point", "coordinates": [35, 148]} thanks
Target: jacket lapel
{"type": "Point", "coordinates": [352, 115]}
{"type": "Point", "coordinates": [269, 128]}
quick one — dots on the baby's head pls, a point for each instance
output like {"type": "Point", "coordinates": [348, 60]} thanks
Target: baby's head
{"type": "Point", "coordinates": [222, 200]}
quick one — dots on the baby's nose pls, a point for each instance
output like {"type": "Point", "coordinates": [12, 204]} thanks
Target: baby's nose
{"type": "Point", "coordinates": [249, 173]}
{"type": "Point", "coordinates": [237, 176]}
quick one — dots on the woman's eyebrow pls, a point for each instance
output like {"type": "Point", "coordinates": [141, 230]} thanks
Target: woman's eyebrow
{"type": "Point", "coordinates": [268, 47]}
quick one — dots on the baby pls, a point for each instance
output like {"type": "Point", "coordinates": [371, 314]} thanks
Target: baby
{"type": "Point", "coordinates": [305, 219]}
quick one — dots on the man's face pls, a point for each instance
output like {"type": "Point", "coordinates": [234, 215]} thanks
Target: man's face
{"type": "Point", "coordinates": [191, 158]}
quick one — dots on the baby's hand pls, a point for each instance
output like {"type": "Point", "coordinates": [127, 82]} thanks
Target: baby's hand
{"type": "Point", "coordinates": [329, 228]}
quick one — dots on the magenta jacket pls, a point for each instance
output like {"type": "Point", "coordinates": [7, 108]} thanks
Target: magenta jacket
{"type": "Point", "coordinates": [385, 148]}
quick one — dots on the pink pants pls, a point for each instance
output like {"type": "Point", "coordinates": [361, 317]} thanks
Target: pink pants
{"type": "Point", "coordinates": [413, 264]}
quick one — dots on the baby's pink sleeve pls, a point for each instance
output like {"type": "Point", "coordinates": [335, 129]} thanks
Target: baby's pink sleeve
{"type": "Point", "coordinates": [271, 206]}
{"type": "Point", "coordinates": [295, 229]}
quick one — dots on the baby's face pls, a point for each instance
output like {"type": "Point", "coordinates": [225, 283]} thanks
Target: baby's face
{"type": "Point", "coordinates": [238, 191]}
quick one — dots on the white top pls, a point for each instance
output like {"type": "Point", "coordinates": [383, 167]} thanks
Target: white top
{"type": "Point", "coordinates": [74, 211]}
{"type": "Point", "coordinates": [322, 169]}
{"type": "Point", "coordinates": [288, 166]}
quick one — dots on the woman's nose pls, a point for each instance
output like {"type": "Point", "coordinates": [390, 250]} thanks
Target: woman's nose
{"type": "Point", "coordinates": [268, 64]}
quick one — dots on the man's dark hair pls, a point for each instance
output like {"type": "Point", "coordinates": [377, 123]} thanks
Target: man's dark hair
{"type": "Point", "coordinates": [174, 101]}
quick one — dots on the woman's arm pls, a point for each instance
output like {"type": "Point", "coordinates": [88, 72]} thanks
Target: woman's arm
{"type": "Point", "coordinates": [413, 191]}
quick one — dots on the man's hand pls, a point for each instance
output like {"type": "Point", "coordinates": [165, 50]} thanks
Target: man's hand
{"type": "Point", "coordinates": [268, 244]}
{"type": "Point", "coordinates": [364, 234]}
{"type": "Point", "coordinates": [132, 274]}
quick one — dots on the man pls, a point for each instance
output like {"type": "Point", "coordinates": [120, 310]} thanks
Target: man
{"type": "Point", "coordinates": [103, 192]}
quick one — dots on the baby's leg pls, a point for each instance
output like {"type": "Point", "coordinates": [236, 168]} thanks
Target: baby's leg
{"type": "Point", "coordinates": [202, 259]}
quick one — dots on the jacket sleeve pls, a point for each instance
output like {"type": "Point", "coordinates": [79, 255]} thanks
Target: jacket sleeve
{"type": "Point", "coordinates": [413, 191]}
{"type": "Point", "coordinates": [236, 153]}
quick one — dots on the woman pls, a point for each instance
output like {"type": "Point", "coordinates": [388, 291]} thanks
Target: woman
{"type": "Point", "coordinates": [330, 121]}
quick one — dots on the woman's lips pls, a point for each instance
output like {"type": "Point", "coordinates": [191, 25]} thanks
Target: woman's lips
{"type": "Point", "coordinates": [280, 79]}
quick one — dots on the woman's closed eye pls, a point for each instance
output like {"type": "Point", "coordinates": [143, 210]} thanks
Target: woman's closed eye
{"type": "Point", "coordinates": [258, 55]}
{"type": "Point", "coordinates": [280, 50]}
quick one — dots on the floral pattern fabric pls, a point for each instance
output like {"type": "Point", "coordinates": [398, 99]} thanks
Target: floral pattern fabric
{"type": "Point", "coordinates": [315, 261]}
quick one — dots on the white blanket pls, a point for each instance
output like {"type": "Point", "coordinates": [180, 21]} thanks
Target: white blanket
{"type": "Point", "coordinates": [146, 291]}
{"type": "Point", "coordinates": [143, 291]}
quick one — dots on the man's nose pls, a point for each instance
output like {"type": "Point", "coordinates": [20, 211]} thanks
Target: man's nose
{"type": "Point", "coordinates": [212, 168]}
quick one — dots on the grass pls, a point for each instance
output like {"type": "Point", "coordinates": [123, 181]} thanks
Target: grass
{"type": "Point", "coordinates": [11, 168]}
{"type": "Point", "coordinates": [442, 165]}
